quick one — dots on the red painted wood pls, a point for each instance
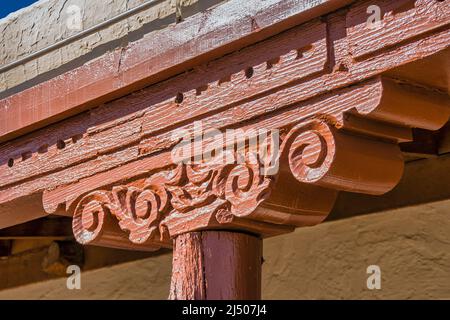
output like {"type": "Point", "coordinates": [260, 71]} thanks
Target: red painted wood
{"type": "Point", "coordinates": [179, 47]}
{"type": "Point", "coordinates": [402, 20]}
{"type": "Point", "coordinates": [216, 265]}
{"type": "Point", "coordinates": [367, 95]}
{"type": "Point", "coordinates": [330, 108]}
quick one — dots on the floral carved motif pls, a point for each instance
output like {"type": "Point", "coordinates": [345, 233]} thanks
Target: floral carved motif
{"type": "Point", "coordinates": [182, 193]}
{"type": "Point", "coordinates": [216, 195]}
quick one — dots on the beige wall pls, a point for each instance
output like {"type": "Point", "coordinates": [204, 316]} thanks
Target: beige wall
{"type": "Point", "coordinates": [328, 261]}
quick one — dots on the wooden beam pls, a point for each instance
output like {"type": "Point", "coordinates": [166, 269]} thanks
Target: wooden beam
{"type": "Point", "coordinates": [212, 265]}
{"type": "Point", "coordinates": [294, 78]}
{"type": "Point", "coordinates": [335, 123]}
{"type": "Point", "coordinates": [175, 49]}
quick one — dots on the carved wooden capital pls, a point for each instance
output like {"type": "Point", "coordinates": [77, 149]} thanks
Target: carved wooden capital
{"type": "Point", "coordinates": [346, 140]}
{"type": "Point", "coordinates": [339, 120]}
{"type": "Point", "coordinates": [183, 198]}
{"type": "Point", "coordinates": [316, 159]}
{"type": "Point", "coordinates": [135, 145]}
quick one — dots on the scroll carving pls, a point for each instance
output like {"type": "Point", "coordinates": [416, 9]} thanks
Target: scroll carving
{"type": "Point", "coordinates": [323, 155]}
{"type": "Point", "coordinates": [178, 195]}
{"type": "Point", "coordinates": [212, 194]}
{"type": "Point", "coordinates": [90, 216]}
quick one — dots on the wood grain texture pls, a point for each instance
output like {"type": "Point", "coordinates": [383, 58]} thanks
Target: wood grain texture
{"type": "Point", "coordinates": [300, 76]}
{"type": "Point", "coordinates": [321, 86]}
{"type": "Point", "coordinates": [184, 198]}
{"type": "Point", "coordinates": [216, 265]}
{"type": "Point", "coordinates": [313, 158]}
{"type": "Point", "coordinates": [179, 47]}
{"type": "Point", "coordinates": [401, 20]}
{"type": "Point", "coordinates": [365, 98]}
{"type": "Point", "coordinates": [108, 128]}
{"type": "Point", "coordinates": [188, 280]}
{"type": "Point", "coordinates": [105, 129]}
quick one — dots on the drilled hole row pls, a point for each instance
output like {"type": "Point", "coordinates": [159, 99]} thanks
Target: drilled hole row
{"type": "Point", "coordinates": [249, 72]}
{"type": "Point", "coordinates": [60, 144]}
{"type": "Point", "coordinates": [180, 96]}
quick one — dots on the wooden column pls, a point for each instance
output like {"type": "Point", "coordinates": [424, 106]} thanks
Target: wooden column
{"type": "Point", "coordinates": [212, 265]}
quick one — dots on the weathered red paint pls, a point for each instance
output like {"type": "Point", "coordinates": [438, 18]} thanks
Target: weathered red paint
{"type": "Point", "coordinates": [216, 265]}
{"type": "Point", "coordinates": [153, 59]}
{"type": "Point", "coordinates": [342, 96]}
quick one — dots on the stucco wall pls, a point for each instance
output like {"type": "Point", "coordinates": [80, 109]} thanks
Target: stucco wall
{"type": "Point", "coordinates": [328, 261]}
{"type": "Point", "coordinates": [411, 246]}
